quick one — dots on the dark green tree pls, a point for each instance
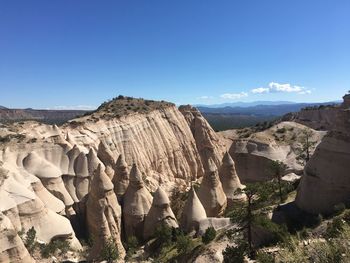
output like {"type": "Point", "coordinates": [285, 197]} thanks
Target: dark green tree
{"type": "Point", "coordinates": [306, 145]}
{"type": "Point", "coordinates": [109, 251]}
{"type": "Point", "coordinates": [277, 169]}
{"type": "Point", "coordinates": [244, 215]}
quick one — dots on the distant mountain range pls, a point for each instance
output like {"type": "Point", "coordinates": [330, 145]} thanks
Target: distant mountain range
{"type": "Point", "coordinates": [259, 108]}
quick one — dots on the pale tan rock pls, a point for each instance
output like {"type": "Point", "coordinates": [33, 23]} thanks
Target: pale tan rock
{"type": "Point", "coordinates": [93, 162]}
{"type": "Point", "coordinates": [12, 248]}
{"type": "Point", "coordinates": [82, 176]}
{"type": "Point", "coordinates": [136, 205]}
{"type": "Point", "coordinates": [326, 181]}
{"type": "Point", "coordinates": [210, 192]}
{"type": "Point", "coordinates": [103, 214]}
{"type": "Point", "coordinates": [105, 154]}
{"type": "Point", "coordinates": [121, 176]}
{"type": "Point", "coordinates": [208, 142]}
{"type": "Point", "coordinates": [49, 175]}
{"type": "Point", "coordinates": [159, 213]}
{"type": "Point", "coordinates": [229, 179]}
{"type": "Point", "coordinates": [193, 212]}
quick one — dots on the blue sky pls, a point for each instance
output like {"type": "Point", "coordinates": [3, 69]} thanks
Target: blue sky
{"type": "Point", "coordinates": [80, 53]}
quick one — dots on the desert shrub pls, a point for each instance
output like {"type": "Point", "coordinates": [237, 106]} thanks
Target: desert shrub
{"type": "Point", "coordinates": [281, 130]}
{"type": "Point", "coordinates": [109, 251]}
{"type": "Point", "coordinates": [30, 240]}
{"type": "Point", "coordinates": [131, 246]}
{"type": "Point", "coordinates": [335, 228]}
{"type": "Point", "coordinates": [163, 234]}
{"type": "Point", "coordinates": [60, 246]}
{"type": "Point", "coordinates": [263, 257]}
{"type": "Point", "coordinates": [235, 254]}
{"type": "Point", "coordinates": [209, 235]}
{"type": "Point", "coordinates": [279, 233]}
{"type": "Point", "coordinates": [184, 244]}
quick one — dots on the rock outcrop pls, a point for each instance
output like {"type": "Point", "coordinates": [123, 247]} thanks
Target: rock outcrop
{"type": "Point", "coordinates": [193, 213]}
{"type": "Point", "coordinates": [159, 213]}
{"type": "Point", "coordinates": [103, 214]}
{"type": "Point", "coordinates": [229, 179]}
{"type": "Point", "coordinates": [210, 192]}
{"type": "Point", "coordinates": [136, 205]}
{"type": "Point", "coordinates": [208, 142]}
{"type": "Point", "coordinates": [121, 177]}
{"type": "Point", "coordinates": [326, 180]}
{"type": "Point", "coordinates": [12, 248]}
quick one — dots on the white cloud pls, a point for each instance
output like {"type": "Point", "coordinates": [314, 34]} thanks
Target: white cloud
{"type": "Point", "coordinates": [204, 97]}
{"type": "Point", "coordinates": [234, 96]}
{"type": "Point", "coordinates": [74, 107]}
{"type": "Point", "coordinates": [260, 90]}
{"type": "Point", "coordinates": [275, 87]}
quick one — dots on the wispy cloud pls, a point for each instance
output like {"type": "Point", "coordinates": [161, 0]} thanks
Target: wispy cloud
{"type": "Point", "coordinates": [234, 96]}
{"type": "Point", "coordinates": [74, 107]}
{"type": "Point", "coordinates": [204, 97]}
{"type": "Point", "coordinates": [275, 87]}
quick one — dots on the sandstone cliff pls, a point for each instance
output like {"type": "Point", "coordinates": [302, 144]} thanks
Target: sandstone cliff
{"type": "Point", "coordinates": [326, 181]}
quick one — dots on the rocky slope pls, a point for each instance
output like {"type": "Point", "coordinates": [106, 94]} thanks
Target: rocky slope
{"type": "Point", "coordinates": [326, 181]}
{"type": "Point", "coordinates": [69, 180]}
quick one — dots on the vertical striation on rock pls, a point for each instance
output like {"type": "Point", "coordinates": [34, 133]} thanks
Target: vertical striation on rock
{"type": "Point", "coordinates": [82, 176]}
{"type": "Point", "coordinates": [229, 179]}
{"type": "Point", "coordinates": [193, 212]}
{"type": "Point", "coordinates": [136, 205]}
{"type": "Point", "coordinates": [326, 180]}
{"type": "Point", "coordinates": [210, 192]}
{"type": "Point", "coordinates": [121, 176]}
{"type": "Point", "coordinates": [160, 213]}
{"type": "Point", "coordinates": [103, 214]}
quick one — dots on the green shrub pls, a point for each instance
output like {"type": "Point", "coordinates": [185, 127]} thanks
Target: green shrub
{"type": "Point", "coordinates": [50, 249]}
{"type": "Point", "coordinates": [335, 228]}
{"type": "Point", "coordinates": [235, 254]}
{"type": "Point", "coordinates": [279, 232]}
{"type": "Point", "coordinates": [131, 246]}
{"type": "Point", "coordinates": [30, 240]}
{"type": "Point", "coordinates": [209, 235]}
{"type": "Point", "coordinates": [281, 130]}
{"type": "Point", "coordinates": [109, 251]}
{"type": "Point", "coordinates": [263, 257]}
{"type": "Point", "coordinates": [163, 234]}
{"type": "Point", "coordinates": [184, 244]}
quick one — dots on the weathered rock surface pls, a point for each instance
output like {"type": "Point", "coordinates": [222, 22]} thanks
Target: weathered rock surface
{"type": "Point", "coordinates": [136, 205]}
{"type": "Point", "coordinates": [229, 179]}
{"type": "Point", "coordinates": [121, 176]}
{"type": "Point", "coordinates": [103, 214]}
{"type": "Point", "coordinates": [159, 213]}
{"type": "Point", "coordinates": [193, 212]}
{"type": "Point", "coordinates": [326, 180]}
{"type": "Point", "coordinates": [253, 155]}
{"type": "Point", "coordinates": [12, 248]}
{"type": "Point", "coordinates": [210, 192]}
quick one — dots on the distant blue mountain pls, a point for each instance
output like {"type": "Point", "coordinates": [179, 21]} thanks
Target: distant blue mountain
{"type": "Point", "coordinates": [259, 108]}
{"type": "Point", "coordinates": [245, 104]}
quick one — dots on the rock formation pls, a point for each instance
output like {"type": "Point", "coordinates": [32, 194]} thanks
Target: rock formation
{"type": "Point", "coordinates": [82, 176]}
{"type": "Point", "coordinates": [326, 181]}
{"type": "Point", "coordinates": [12, 248]}
{"type": "Point", "coordinates": [229, 179]}
{"type": "Point", "coordinates": [208, 142]}
{"type": "Point", "coordinates": [193, 212]}
{"type": "Point", "coordinates": [210, 192]}
{"type": "Point", "coordinates": [121, 176]}
{"type": "Point", "coordinates": [103, 214]}
{"type": "Point", "coordinates": [136, 205]}
{"type": "Point", "coordinates": [160, 213]}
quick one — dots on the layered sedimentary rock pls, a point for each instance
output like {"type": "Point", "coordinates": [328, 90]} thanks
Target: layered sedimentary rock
{"type": "Point", "coordinates": [229, 178]}
{"type": "Point", "coordinates": [326, 180]}
{"type": "Point", "coordinates": [207, 141]}
{"type": "Point", "coordinates": [159, 213]}
{"type": "Point", "coordinates": [82, 176]}
{"type": "Point", "coordinates": [121, 176]}
{"type": "Point", "coordinates": [103, 214]}
{"type": "Point", "coordinates": [12, 248]}
{"type": "Point", "coordinates": [210, 192]}
{"type": "Point", "coordinates": [136, 205]}
{"type": "Point", "coordinates": [193, 212]}
{"type": "Point", "coordinates": [282, 142]}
